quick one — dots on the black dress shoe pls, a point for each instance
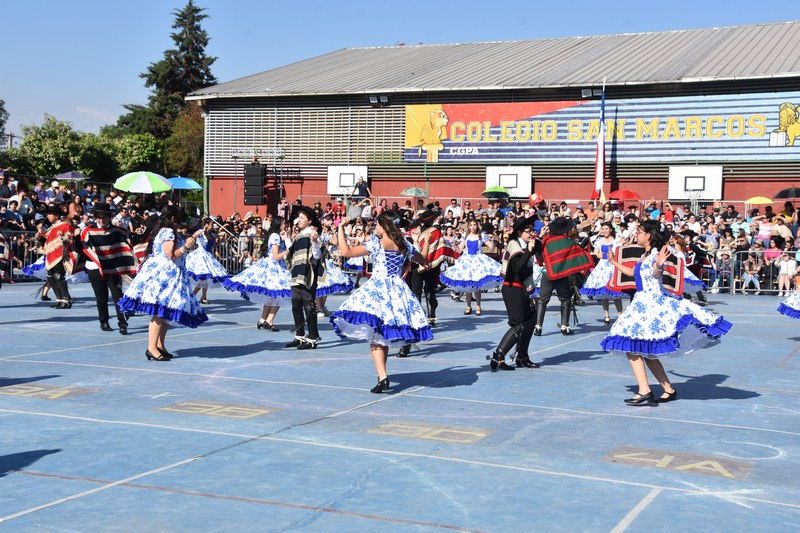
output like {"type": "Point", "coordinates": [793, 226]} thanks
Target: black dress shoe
{"type": "Point", "coordinates": [270, 327]}
{"type": "Point", "coordinates": [123, 330]}
{"type": "Point", "coordinates": [525, 362]}
{"type": "Point", "coordinates": [537, 330]}
{"type": "Point", "coordinates": [295, 343]}
{"type": "Point", "coordinates": [104, 326]}
{"type": "Point", "coordinates": [381, 386]}
{"type": "Point", "coordinates": [307, 345]}
{"type": "Point", "coordinates": [165, 353]}
{"type": "Point", "coordinates": [670, 396]}
{"type": "Point", "coordinates": [497, 362]}
{"type": "Point", "coordinates": [640, 399]}
{"type": "Point", "coordinates": [404, 351]}
{"type": "Point", "coordinates": [566, 331]}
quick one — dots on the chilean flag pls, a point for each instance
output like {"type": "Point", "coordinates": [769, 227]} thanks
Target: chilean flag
{"type": "Point", "coordinates": [600, 154]}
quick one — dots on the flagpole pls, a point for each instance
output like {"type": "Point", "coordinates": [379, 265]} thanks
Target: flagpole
{"type": "Point", "coordinates": [600, 154]}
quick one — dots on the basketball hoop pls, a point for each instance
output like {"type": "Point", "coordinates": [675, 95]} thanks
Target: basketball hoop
{"type": "Point", "coordinates": [694, 196]}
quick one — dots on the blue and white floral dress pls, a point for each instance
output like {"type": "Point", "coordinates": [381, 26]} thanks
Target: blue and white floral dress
{"type": "Point", "coordinates": [266, 281]}
{"type": "Point", "coordinates": [473, 271]}
{"type": "Point", "coordinates": [658, 323]}
{"type": "Point", "coordinates": [203, 268]}
{"type": "Point", "coordinates": [37, 270]}
{"type": "Point", "coordinates": [162, 287]}
{"type": "Point", "coordinates": [791, 305]}
{"type": "Point", "coordinates": [694, 283]}
{"type": "Point", "coordinates": [595, 284]}
{"type": "Point", "coordinates": [383, 311]}
{"type": "Point", "coordinates": [333, 279]}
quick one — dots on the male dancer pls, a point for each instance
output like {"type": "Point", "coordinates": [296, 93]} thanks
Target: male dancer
{"type": "Point", "coordinates": [303, 258]}
{"type": "Point", "coordinates": [562, 256]}
{"type": "Point", "coordinates": [517, 284]}
{"type": "Point", "coordinates": [57, 240]}
{"type": "Point", "coordinates": [110, 257]}
{"type": "Point", "coordinates": [430, 243]}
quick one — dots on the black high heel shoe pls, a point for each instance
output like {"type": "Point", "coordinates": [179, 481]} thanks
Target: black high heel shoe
{"type": "Point", "coordinates": [270, 327]}
{"type": "Point", "coordinates": [262, 324]}
{"type": "Point", "coordinates": [165, 353]}
{"type": "Point", "coordinates": [670, 397]}
{"type": "Point", "coordinates": [607, 321]}
{"type": "Point", "coordinates": [381, 386]}
{"type": "Point", "coordinates": [153, 357]}
{"type": "Point", "coordinates": [640, 399]}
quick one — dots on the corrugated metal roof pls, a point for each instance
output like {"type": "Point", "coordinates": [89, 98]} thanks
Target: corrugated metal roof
{"type": "Point", "coordinates": [712, 54]}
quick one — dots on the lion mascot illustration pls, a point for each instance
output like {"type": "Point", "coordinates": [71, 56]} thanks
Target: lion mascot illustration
{"type": "Point", "coordinates": [788, 122]}
{"type": "Point", "coordinates": [432, 134]}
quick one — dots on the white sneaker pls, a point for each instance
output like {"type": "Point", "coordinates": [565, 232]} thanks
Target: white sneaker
{"type": "Point", "coordinates": [320, 314]}
{"type": "Point", "coordinates": [757, 292]}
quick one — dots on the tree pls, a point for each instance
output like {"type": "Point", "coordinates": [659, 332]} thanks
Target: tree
{"type": "Point", "coordinates": [182, 70]}
{"type": "Point", "coordinates": [138, 152]}
{"type": "Point", "coordinates": [50, 148]}
{"type": "Point", "coordinates": [185, 145]}
{"type": "Point", "coordinates": [3, 119]}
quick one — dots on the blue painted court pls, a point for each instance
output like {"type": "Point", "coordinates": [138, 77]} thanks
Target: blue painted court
{"type": "Point", "coordinates": [238, 433]}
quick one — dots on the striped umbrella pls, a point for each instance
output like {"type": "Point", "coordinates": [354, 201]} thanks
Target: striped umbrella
{"type": "Point", "coordinates": [143, 182]}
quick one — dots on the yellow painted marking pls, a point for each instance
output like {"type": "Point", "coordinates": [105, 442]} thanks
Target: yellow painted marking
{"type": "Point", "coordinates": [708, 466]}
{"type": "Point", "coordinates": [423, 431]}
{"type": "Point", "coordinates": [216, 409]}
{"type": "Point", "coordinates": [42, 391]}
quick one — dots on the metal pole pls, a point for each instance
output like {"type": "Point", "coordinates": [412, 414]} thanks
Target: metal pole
{"type": "Point", "coordinates": [235, 181]}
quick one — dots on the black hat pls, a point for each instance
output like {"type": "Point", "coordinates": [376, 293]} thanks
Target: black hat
{"type": "Point", "coordinates": [309, 213]}
{"type": "Point", "coordinates": [523, 222]}
{"type": "Point", "coordinates": [101, 208]}
{"type": "Point", "coordinates": [425, 218]}
{"type": "Point", "coordinates": [561, 226]}
{"type": "Point", "coordinates": [487, 227]}
{"type": "Point", "coordinates": [53, 209]}
{"type": "Point", "coordinates": [399, 220]}
{"type": "Point", "coordinates": [689, 233]}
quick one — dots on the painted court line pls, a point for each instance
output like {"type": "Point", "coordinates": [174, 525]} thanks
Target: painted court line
{"type": "Point", "coordinates": [257, 501]}
{"type": "Point", "coordinates": [631, 516]}
{"type": "Point", "coordinates": [406, 454]}
{"type": "Point", "coordinates": [96, 490]}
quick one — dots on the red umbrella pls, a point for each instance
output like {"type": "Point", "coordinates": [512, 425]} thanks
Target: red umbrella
{"type": "Point", "coordinates": [625, 194]}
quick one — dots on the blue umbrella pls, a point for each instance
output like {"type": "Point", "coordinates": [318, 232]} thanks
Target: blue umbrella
{"type": "Point", "coordinates": [188, 184]}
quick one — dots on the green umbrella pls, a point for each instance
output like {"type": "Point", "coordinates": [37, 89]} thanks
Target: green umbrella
{"type": "Point", "coordinates": [496, 192]}
{"type": "Point", "coordinates": [143, 182]}
{"type": "Point", "coordinates": [415, 192]}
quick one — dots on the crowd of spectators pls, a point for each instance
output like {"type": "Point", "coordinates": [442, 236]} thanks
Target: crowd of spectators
{"type": "Point", "coordinates": [752, 251]}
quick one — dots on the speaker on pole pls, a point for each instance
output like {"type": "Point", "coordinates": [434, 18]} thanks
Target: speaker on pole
{"type": "Point", "coordinates": [254, 181]}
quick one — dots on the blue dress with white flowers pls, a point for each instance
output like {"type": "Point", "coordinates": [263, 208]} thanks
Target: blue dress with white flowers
{"type": "Point", "coordinates": [266, 281]}
{"type": "Point", "coordinates": [658, 323]}
{"type": "Point", "coordinates": [595, 285]}
{"type": "Point", "coordinates": [162, 288]}
{"type": "Point", "coordinates": [383, 311]}
{"type": "Point", "coordinates": [203, 267]}
{"type": "Point", "coordinates": [791, 305]}
{"type": "Point", "coordinates": [473, 271]}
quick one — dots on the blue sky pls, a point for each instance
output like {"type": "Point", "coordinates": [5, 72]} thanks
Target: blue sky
{"type": "Point", "coordinates": [80, 61]}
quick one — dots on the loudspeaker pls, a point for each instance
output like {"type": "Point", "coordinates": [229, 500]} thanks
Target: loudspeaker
{"type": "Point", "coordinates": [254, 175]}
{"type": "Point", "coordinates": [255, 199]}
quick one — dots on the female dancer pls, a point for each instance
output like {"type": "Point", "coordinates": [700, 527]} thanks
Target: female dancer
{"type": "Point", "coordinates": [657, 323]}
{"type": "Point", "coordinates": [203, 267]}
{"type": "Point", "coordinates": [791, 305]}
{"type": "Point", "coordinates": [384, 311]}
{"type": "Point", "coordinates": [473, 271]}
{"type": "Point", "coordinates": [516, 297]}
{"type": "Point", "coordinates": [162, 288]}
{"type": "Point", "coordinates": [333, 279]}
{"type": "Point", "coordinates": [595, 285]}
{"type": "Point", "coordinates": [267, 280]}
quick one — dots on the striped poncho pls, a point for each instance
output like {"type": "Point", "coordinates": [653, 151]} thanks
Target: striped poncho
{"type": "Point", "coordinates": [563, 256]}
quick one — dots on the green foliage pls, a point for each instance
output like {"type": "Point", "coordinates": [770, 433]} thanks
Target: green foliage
{"type": "Point", "coordinates": [50, 148]}
{"type": "Point", "coordinates": [185, 145]}
{"type": "Point", "coordinates": [3, 120]}
{"type": "Point", "coordinates": [138, 119]}
{"type": "Point", "coordinates": [138, 152]}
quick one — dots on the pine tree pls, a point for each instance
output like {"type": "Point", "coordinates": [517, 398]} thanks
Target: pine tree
{"type": "Point", "coordinates": [183, 69]}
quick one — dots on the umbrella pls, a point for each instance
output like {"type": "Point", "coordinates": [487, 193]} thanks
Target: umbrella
{"type": "Point", "coordinates": [143, 182]}
{"type": "Point", "coordinates": [759, 200]}
{"type": "Point", "coordinates": [187, 184]}
{"type": "Point", "coordinates": [791, 192]}
{"type": "Point", "coordinates": [496, 192]}
{"type": "Point", "coordinates": [625, 194]}
{"type": "Point", "coordinates": [415, 192]}
{"type": "Point", "coordinates": [72, 175]}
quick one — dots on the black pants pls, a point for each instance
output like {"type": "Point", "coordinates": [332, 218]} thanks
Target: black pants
{"type": "Point", "coordinates": [57, 278]}
{"type": "Point", "coordinates": [304, 311]}
{"type": "Point", "coordinates": [563, 290]}
{"type": "Point", "coordinates": [520, 320]}
{"type": "Point", "coordinates": [101, 287]}
{"type": "Point", "coordinates": [425, 281]}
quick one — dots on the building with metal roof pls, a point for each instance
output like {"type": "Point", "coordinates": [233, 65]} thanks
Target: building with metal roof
{"type": "Point", "coordinates": [719, 104]}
